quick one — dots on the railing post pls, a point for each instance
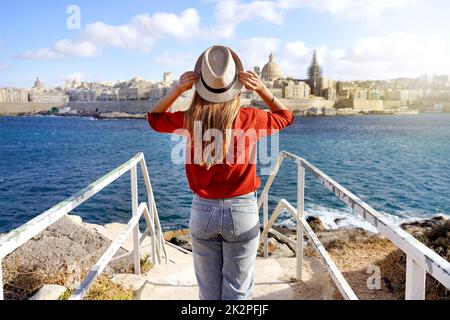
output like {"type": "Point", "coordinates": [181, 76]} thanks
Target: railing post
{"type": "Point", "coordinates": [152, 219]}
{"type": "Point", "coordinates": [415, 280]}
{"type": "Point", "coordinates": [265, 222]}
{"type": "Point", "coordinates": [1, 281]}
{"type": "Point", "coordinates": [300, 213]}
{"type": "Point", "coordinates": [134, 207]}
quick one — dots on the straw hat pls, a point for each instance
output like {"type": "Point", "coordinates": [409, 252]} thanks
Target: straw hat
{"type": "Point", "coordinates": [218, 69]}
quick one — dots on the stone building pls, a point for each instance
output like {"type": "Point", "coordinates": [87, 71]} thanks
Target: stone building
{"type": "Point", "coordinates": [257, 70]}
{"type": "Point", "coordinates": [84, 95]}
{"type": "Point", "coordinates": [271, 71]}
{"type": "Point", "coordinates": [49, 97]}
{"type": "Point", "coordinates": [38, 84]}
{"type": "Point", "coordinates": [296, 91]}
{"type": "Point", "coordinates": [168, 78]}
{"type": "Point", "coordinates": [410, 95]}
{"type": "Point", "coordinates": [315, 76]}
{"type": "Point", "coordinates": [329, 93]}
{"type": "Point", "coordinates": [12, 95]}
{"type": "Point", "coordinates": [134, 94]}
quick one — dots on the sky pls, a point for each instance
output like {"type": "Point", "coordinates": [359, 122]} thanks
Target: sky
{"type": "Point", "coordinates": [121, 39]}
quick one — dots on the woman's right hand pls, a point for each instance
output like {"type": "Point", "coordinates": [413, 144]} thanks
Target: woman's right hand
{"type": "Point", "coordinates": [187, 81]}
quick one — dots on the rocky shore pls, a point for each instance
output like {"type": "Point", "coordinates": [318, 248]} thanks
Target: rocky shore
{"type": "Point", "coordinates": [358, 253]}
{"type": "Point", "coordinates": [63, 254]}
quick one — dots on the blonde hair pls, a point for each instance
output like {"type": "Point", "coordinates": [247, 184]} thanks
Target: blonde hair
{"type": "Point", "coordinates": [212, 116]}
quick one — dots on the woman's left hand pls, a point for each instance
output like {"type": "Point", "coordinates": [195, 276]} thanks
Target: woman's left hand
{"type": "Point", "coordinates": [251, 81]}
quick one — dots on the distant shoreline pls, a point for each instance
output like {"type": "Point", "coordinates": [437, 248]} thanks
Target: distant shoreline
{"type": "Point", "coordinates": [143, 116]}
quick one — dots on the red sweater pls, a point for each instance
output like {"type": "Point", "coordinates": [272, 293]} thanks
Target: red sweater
{"type": "Point", "coordinates": [233, 178]}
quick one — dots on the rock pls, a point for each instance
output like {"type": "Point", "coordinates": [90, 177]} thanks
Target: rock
{"type": "Point", "coordinates": [171, 234]}
{"type": "Point", "coordinates": [129, 281]}
{"type": "Point", "coordinates": [183, 241]}
{"type": "Point", "coordinates": [283, 251]}
{"type": "Point", "coordinates": [49, 292]}
{"type": "Point", "coordinates": [75, 219]}
{"type": "Point", "coordinates": [62, 254]}
{"type": "Point", "coordinates": [419, 228]}
{"type": "Point", "coordinates": [285, 230]}
{"type": "Point", "coordinates": [316, 224]}
{"type": "Point", "coordinates": [276, 249]}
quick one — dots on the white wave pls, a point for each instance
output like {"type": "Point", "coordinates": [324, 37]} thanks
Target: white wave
{"type": "Point", "coordinates": [335, 219]}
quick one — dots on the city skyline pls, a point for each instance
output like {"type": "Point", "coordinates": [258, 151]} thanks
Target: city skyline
{"type": "Point", "coordinates": [355, 40]}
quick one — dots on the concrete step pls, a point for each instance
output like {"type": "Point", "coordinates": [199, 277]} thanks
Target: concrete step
{"type": "Point", "coordinates": [273, 281]}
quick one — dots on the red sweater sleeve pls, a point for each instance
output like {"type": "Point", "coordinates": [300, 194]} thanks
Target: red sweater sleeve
{"type": "Point", "coordinates": [166, 122]}
{"type": "Point", "coordinates": [268, 123]}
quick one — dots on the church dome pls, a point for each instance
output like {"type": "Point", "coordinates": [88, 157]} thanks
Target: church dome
{"type": "Point", "coordinates": [38, 84]}
{"type": "Point", "coordinates": [271, 71]}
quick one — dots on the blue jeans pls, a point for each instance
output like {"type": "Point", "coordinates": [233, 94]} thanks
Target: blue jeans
{"type": "Point", "coordinates": [225, 238]}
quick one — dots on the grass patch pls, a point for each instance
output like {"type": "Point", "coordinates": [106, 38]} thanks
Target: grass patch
{"type": "Point", "coordinates": [105, 289]}
{"type": "Point", "coordinates": [146, 264]}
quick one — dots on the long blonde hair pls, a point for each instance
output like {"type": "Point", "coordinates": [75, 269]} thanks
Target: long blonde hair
{"type": "Point", "coordinates": [217, 116]}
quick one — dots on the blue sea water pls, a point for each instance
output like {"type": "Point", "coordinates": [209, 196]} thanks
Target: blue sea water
{"type": "Point", "coordinates": [400, 165]}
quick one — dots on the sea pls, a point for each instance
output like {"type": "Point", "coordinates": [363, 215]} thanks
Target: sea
{"type": "Point", "coordinates": [399, 165]}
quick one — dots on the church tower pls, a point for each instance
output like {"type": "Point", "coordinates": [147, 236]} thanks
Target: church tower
{"type": "Point", "coordinates": [315, 76]}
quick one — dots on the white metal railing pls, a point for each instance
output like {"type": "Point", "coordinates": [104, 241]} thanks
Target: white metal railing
{"type": "Point", "coordinates": [420, 259]}
{"type": "Point", "coordinates": [21, 235]}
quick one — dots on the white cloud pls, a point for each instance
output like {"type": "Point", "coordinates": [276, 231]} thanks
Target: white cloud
{"type": "Point", "coordinates": [392, 55]}
{"type": "Point", "coordinates": [140, 33]}
{"type": "Point", "coordinates": [73, 76]}
{"type": "Point", "coordinates": [3, 66]}
{"type": "Point", "coordinates": [173, 59]}
{"type": "Point", "coordinates": [63, 48]}
{"type": "Point", "coordinates": [297, 49]}
{"type": "Point", "coordinates": [255, 51]}
{"type": "Point", "coordinates": [230, 13]}
{"type": "Point", "coordinates": [389, 56]}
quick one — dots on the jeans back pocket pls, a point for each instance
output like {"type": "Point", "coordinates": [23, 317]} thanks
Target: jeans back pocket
{"type": "Point", "coordinates": [200, 219]}
{"type": "Point", "coordinates": [245, 220]}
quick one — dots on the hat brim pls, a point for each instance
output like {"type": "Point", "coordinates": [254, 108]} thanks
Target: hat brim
{"type": "Point", "coordinates": [226, 96]}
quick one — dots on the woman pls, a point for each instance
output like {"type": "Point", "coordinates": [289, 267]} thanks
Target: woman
{"type": "Point", "coordinates": [221, 168]}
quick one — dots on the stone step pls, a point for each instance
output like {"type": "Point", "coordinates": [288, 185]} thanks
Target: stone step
{"type": "Point", "coordinates": [273, 281]}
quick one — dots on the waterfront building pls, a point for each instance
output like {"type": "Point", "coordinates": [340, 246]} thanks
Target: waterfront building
{"type": "Point", "coordinates": [257, 70]}
{"type": "Point", "coordinates": [296, 91]}
{"type": "Point", "coordinates": [441, 80]}
{"type": "Point", "coordinates": [84, 95]}
{"type": "Point", "coordinates": [134, 94]}
{"type": "Point", "coordinates": [109, 95]}
{"type": "Point", "coordinates": [12, 95]}
{"type": "Point", "coordinates": [339, 87]}
{"type": "Point", "coordinates": [329, 93]}
{"type": "Point", "coordinates": [358, 94]}
{"type": "Point", "coordinates": [38, 84]}
{"type": "Point", "coordinates": [361, 105]}
{"type": "Point", "coordinates": [168, 78]}
{"type": "Point", "coordinates": [409, 95]}
{"type": "Point", "coordinates": [327, 83]}
{"type": "Point", "coordinates": [374, 94]}
{"type": "Point", "coordinates": [271, 71]}
{"type": "Point", "coordinates": [315, 76]}
{"type": "Point", "coordinates": [52, 96]}
{"type": "Point", "coordinates": [72, 84]}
